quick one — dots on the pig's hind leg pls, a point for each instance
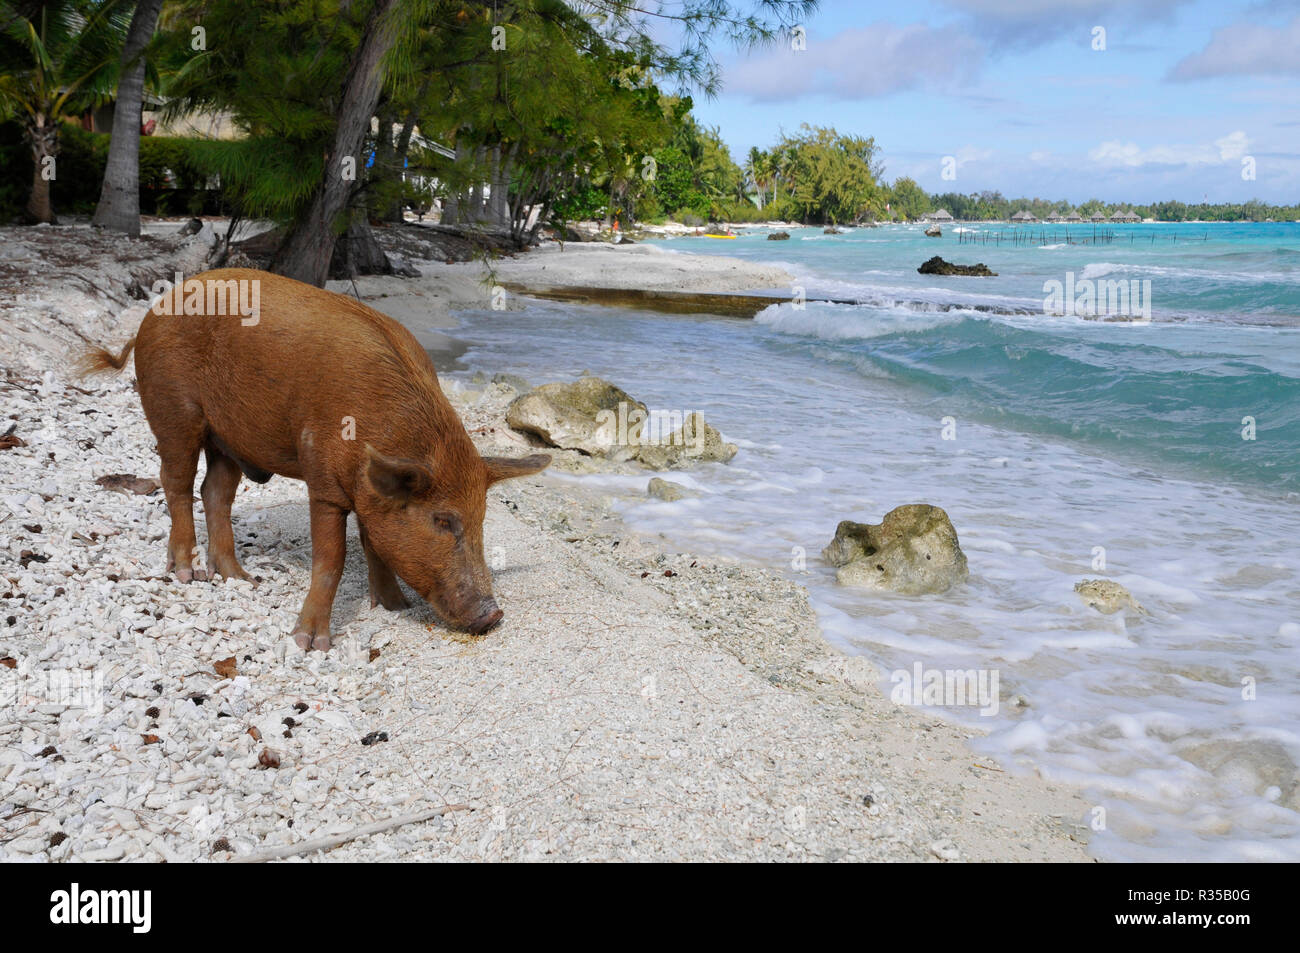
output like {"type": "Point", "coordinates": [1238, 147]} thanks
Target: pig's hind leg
{"type": "Point", "coordinates": [219, 486]}
{"type": "Point", "coordinates": [179, 442]}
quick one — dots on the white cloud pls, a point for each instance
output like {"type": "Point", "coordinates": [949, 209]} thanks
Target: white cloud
{"type": "Point", "coordinates": [1245, 49]}
{"type": "Point", "coordinates": [861, 63]}
{"type": "Point", "coordinates": [968, 154]}
{"type": "Point", "coordinates": [1027, 23]}
{"type": "Point", "coordinates": [1230, 148]}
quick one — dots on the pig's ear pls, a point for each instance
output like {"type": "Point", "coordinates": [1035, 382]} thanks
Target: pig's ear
{"type": "Point", "coordinates": [505, 468]}
{"type": "Point", "coordinates": [397, 478]}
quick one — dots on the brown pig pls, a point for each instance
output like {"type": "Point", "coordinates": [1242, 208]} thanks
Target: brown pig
{"type": "Point", "coordinates": [266, 375]}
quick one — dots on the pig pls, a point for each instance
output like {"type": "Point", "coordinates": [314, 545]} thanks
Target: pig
{"type": "Point", "coordinates": [280, 377]}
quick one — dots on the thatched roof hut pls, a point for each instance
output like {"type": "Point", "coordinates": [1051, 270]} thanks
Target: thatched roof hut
{"type": "Point", "coordinates": [937, 216]}
{"type": "Point", "coordinates": [1098, 217]}
{"type": "Point", "coordinates": [1054, 217]}
{"type": "Point", "coordinates": [1074, 217]}
{"type": "Point", "coordinates": [1128, 215]}
{"type": "Point", "coordinates": [1024, 215]}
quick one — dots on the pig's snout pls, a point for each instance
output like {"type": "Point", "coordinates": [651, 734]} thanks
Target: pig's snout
{"type": "Point", "coordinates": [489, 615]}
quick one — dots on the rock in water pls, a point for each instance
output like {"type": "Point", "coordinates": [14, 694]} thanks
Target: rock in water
{"type": "Point", "coordinates": [1107, 597]}
{"type": "Point", "coordinates": [937, 266]}
{"type": "Point", "coordinates": [913, 551]}
{"type": "Point", "coordinates": [779, 237]}
{"type": "Point", "coordinates": [666, 490]}
{"type": "Point", "coordinates": [696, 442]}
{"type": "Point", "coordinates": [514, 381]}
{"type": "Point", "coordinates": [597, 418]}
{"type": "Point", "coordinates": [582, 416]}
{"type": "Point", "coordinates": [934, 231]}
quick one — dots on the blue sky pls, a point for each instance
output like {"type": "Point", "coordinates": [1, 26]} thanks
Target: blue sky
{"type": "Point", "coordinates": [1183, 93]}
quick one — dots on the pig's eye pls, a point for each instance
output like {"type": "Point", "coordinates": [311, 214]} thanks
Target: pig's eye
{"type": "Point", "coordinates": [446, 523]}
{"type": "Point", "coordinates": [442, 523]}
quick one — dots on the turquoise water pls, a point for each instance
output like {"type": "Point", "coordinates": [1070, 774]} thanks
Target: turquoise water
{"type": "Point", "coordinates": [1081, 449]}
{"type": "Point", "coordinates": [1170, 395]}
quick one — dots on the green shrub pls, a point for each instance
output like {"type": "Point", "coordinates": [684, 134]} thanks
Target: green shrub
{"type": "Point", "coordinates": [16, 160]}
{"type": "Point", "coordinates": [647, 208]}
{"type": "Point", "coordinates": [583, 203]}
{"type": "Point", "coordinates": [745, 212]}
{"type": "Point", "coordinates": [79, 170]}
{"type": "Point", "coordinates": [172, 175]}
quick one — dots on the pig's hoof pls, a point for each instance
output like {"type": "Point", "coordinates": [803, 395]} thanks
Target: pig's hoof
{"type": "Point", "coordinates": [392, 601]}
{"type": "Point", "coordinates": [306, 641]}
{"type": "Point", "coordinates": [232, 572]}
{"type": "Point", "coordinates": [185, 574]}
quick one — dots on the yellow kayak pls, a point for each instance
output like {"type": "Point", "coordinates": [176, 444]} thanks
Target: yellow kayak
{"type": "Point", "coordinates": [707, 235]}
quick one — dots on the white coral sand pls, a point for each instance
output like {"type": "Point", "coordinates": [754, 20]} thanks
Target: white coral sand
{"type": "Point", "coordinates": [634, 704]}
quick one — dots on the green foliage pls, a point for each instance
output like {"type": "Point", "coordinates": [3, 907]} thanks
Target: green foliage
{"type": "Point", "coordinates": [16, 160]}
{"type": "Point", "coordinates": [584, 201]}
{"type": "Point", "coordinates": [277, 66]}
{"type": "Point", "coordinates": [993, 206]}
{"type": "Point", "coordinates": [695, 173]}
{"type": "Point", "coordinates": [59, 58]}
{"type": "Point", "coordinates": [830, 177]}
{"type": "Point", "coordinates": [907, 200]}
{"type": "Point", "coordinates": [743, 210]}
{"type": "Point", "coordinates": [80, 169]}
{"type": "Point", "coordinates": [172, 177]}
{"type": "Point", "coordinates": [171, 163]}
{"type": "Point", "coordinates": [674, 187]}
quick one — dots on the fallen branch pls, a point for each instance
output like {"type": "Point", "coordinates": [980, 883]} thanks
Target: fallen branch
{"type": "Point", "coordinates": [329, 843]}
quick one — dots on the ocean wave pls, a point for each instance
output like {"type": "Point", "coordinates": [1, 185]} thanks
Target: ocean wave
{"type": "Point", "coordinates": [1119, 394]}
{"type": "Point", "coordinates": [840, 322]}
{"type": "Point", "coordinates": [1102, 269]}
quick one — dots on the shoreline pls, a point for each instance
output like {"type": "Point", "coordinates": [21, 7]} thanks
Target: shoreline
{"type": "Point", "coordinates": [618, 713]}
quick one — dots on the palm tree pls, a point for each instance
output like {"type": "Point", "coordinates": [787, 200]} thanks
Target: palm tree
{"type": "Point", "coordinates": [60, 58]}
{"type": "Point", "coordinates": [119, 198]}
{"type": "Point", "coordinates": [755, 169]}
{"type": "Point", "coordinates": [781, 163]}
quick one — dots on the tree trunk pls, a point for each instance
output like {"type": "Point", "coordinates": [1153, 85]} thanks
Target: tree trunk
{"type": "Point", "coordinates": [395, 211]}
{"type": "Point", "coordinates": [386, 181]}
{"type": "Point", "coordinates": [493, 192]}
{"type": "Point", "coordinates": [499, 202]}
{"type": "Point", "coordinates": [307, 249]}
{"type": "Point", "coordinates": [542, 213]}
{"type": "Point", "coordinates": [473, 214]}
{"type": "Point", "coordinates": [44, 142]}
{"type": "Point", "coordinates": [451, 203]}
{"type": "Point", "coordinates": [357, 252]}
{"type": "Point", "coordinates": [119, 198]}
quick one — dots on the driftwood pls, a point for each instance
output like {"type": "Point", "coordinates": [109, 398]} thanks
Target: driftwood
{"type": "Point", "coordinates": [329, 843]}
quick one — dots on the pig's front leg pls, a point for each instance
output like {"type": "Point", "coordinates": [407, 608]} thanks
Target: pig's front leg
{"type": "Point", "coordinates": [328, 546]}
{"type": "Point", "coordinates": [384, 589]}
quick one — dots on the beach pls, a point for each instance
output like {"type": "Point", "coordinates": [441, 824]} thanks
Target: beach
{"type": "Point", "coordinates": [637, 703]}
